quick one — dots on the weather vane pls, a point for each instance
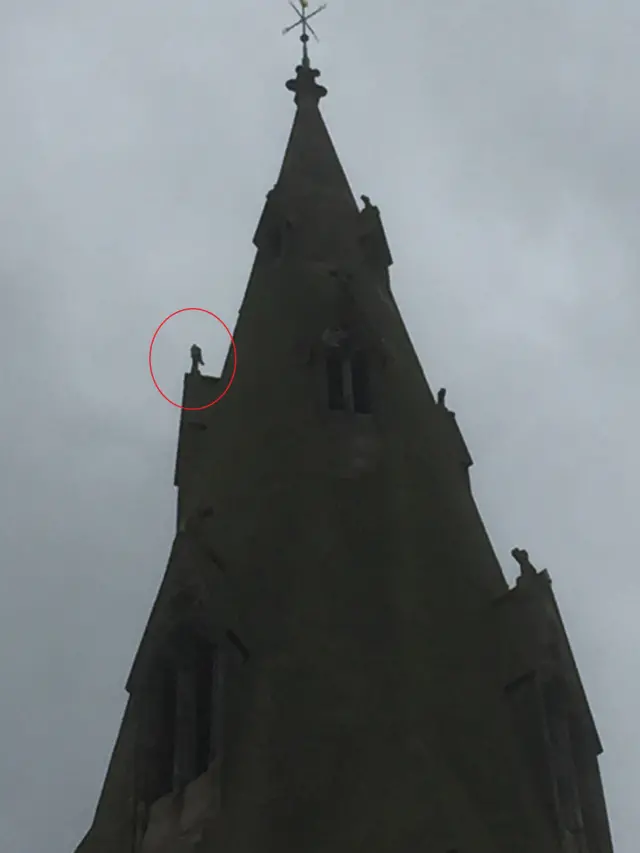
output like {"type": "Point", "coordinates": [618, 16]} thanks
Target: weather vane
{"type": "Point", "coordinates": [303, 21]}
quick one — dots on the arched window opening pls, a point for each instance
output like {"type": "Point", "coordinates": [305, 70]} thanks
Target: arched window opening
{"type": "Point", "coordinates": [335, 381]}
{"type": "Point", "coordinates": [562, 759]}
{"type": "Point", "coordinates": [183, 714]}
{"type": "Point", "coordinates": [360, 384]}
{"type": "Point", "coordinates": [162, 718]}
{"type": "Point", "coordinates": [204, 667]}
{"type": "Point", "coordinates": [348, 382]}
{"type": "Point", "coordinates": [197, 701]}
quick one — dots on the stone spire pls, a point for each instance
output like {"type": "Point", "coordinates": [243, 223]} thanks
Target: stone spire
{"type": "Point", "coordinates": [327, 662]}
{"type": "Point", "coordinates": [311, 164]}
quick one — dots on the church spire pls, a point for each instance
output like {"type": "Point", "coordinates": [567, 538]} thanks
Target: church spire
{"type": "Point", "coordinates": [311, 196]}
{"type": "Point", "coordinates": [311, 176]}
{"type": "Point", "coordinates": [398, 695]}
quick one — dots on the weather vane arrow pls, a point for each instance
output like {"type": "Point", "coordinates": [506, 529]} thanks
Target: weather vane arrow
{"type": "Point", "coordinates": [303, 21]}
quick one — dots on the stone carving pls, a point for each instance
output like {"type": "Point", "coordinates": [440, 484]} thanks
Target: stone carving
{"type": "Point", "coordinates": [196, 359]}
{"type": "Point", "coordinates": [522, 558]}
{"type": "Point", "coordinates": [442, 393]}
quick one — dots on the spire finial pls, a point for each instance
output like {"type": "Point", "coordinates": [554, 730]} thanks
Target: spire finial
{"type": "Point", "coordinates": [303, 21]}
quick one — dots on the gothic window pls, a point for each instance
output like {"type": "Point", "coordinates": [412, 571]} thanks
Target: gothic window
{"type": "Point", "coordinates": [205, 705]}
{"type": "Point", "coordinates": [348, 382]}
{"type": "Point", "coordinates": [162, 721]}
{"type": "Point", "coordinates": [278, 237]}
{"type": "Point", "coordinates": [183, 715]}
{"type": "Point", "coordinates": [525, 703]}
{"type": "Point", "coordinates": [203, 716]}
{"type": "Point", "coordinates": [544, 731]}
{"type": "Point", "coordinates": [360, 384]}
{"type": "Point", "coordinates": [562, 758]}
{"type": "Point", "coordinates": [335, 381]}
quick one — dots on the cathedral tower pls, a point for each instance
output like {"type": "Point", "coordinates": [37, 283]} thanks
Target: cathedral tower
{"type": "Point", "coordinates": [335, 662]}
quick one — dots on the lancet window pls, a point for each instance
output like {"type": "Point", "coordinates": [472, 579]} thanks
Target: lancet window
{"type": "Point", "coordinates": [182, 718]}
{"type": "Point", "coordinates": [348, 382]}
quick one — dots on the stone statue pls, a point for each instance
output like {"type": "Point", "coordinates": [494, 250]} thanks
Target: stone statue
{"type": "Point", "coordinates": [442, 393]}
{"type": "Point", "coordinates": [366, 200]}
{"type": "Point", "coordinates": [522, 558]}
{"type": "Point", "coordinates": [196, 359]}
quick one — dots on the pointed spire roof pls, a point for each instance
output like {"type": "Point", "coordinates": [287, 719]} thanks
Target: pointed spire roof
{"type": "Point", "coordinates": [310, 162]}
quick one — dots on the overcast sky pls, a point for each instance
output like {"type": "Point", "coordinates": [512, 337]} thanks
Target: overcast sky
{"type": "Point", "coordinates": [138, 139]}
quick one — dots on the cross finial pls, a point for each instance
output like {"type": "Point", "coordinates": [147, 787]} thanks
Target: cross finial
{"type": "Point", "coordinates": [303, 21]}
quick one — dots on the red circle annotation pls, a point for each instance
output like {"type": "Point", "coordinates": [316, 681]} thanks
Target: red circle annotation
{"type": "Point", "coordinates": [233, 373]}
